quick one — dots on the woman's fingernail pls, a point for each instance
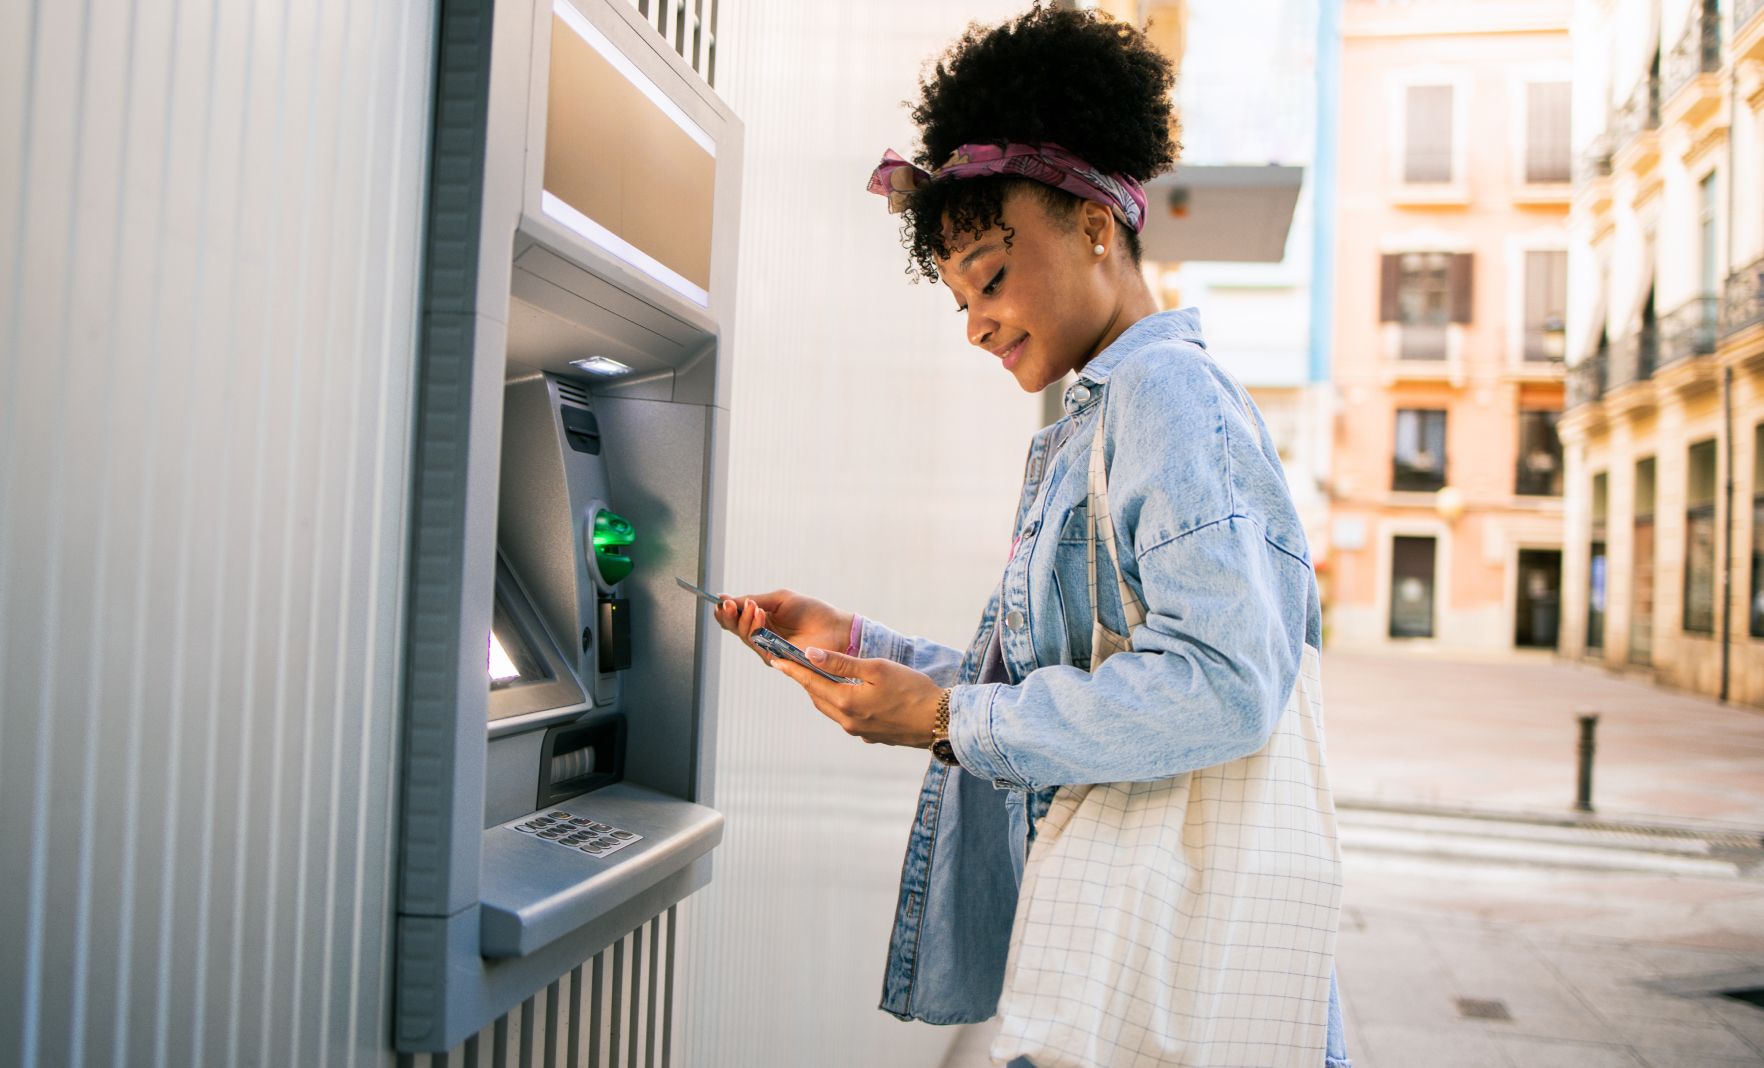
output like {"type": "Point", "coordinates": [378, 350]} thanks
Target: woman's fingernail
{"type": "Point", "coordinates": [817, 655]}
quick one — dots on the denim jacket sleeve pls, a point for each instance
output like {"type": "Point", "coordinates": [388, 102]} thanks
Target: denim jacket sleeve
{"type": "Point", "coordinates": [1219, 557]}
{"type": "Point", "coordinates": [942, 662]}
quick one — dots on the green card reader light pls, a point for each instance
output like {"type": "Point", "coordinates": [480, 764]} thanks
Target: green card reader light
{"type": "Point", "coordinates": [611, 536]}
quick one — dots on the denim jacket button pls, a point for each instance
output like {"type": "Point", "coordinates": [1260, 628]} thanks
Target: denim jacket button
{"type": "Point", "coordinates": [1014, 619]}
{"type": "Point", "coordinates": [1078, 394]}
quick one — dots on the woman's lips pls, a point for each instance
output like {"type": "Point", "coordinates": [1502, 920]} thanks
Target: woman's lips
{"type": "Point", "coordinates": [1014, 353]}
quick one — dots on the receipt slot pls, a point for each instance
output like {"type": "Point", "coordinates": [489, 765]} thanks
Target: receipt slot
{"type": "Point", "coordinates": [569, 462]}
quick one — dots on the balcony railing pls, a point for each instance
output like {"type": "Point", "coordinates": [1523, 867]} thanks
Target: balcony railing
{"type": "Point", "coordinates": [1595, 160]}
{"type": "Point", "coordinates": [1586, 379]}
{"type": "Point", "coordinates": [1698, 51]}
{"type": "Point", "coordinates": [1640, 113]}
{"type": "Point", "coordinates": [1634, 357]}
{"type": "Point", "coordinates": [1742, 298]}
{"type": "Point", "coordinates": [1690, 330]}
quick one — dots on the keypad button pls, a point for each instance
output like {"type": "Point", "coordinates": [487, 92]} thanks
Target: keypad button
{"type": "Point", "coordinates": [623, 834]}
{"type": "Point", "coordinates": [559, 814]}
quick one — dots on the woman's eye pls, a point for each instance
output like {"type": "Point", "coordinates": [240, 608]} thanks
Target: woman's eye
{"type": "Point", "coordinates": [992, 286]}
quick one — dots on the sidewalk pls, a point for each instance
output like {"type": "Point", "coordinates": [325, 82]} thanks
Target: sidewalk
{"type": "Point", "coordinates": [1501, 735]}
{"type": "Point", "coordinates": [1546, 951]}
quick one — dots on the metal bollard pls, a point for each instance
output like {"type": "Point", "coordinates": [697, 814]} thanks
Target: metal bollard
{"type": "Point", "coordinates": [1589, 722]}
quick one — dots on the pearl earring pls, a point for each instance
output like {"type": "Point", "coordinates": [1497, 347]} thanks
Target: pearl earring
{"type": "Point", "coordinates": [1099, 250]}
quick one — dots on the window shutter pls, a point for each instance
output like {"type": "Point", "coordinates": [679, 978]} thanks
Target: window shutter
{"type": "Point", "coordinates": [1546, 132]}
{"type": "Point", "coordinates": [1427, 147]}
{"type": "Point", "coordinates": [1389, 274]}
{"type": "Point", "coordinates": [1458, 277]}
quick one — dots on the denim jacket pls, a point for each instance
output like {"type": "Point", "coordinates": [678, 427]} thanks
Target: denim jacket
{"type": "Point", "coordinates": [1220, 560]}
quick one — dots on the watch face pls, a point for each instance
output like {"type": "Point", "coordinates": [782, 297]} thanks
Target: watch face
{"type": "Point", "coordinates": [944, 751]}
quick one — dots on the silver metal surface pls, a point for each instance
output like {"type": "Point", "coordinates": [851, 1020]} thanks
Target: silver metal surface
{"type": "Point", "coordinates": [535, 893]}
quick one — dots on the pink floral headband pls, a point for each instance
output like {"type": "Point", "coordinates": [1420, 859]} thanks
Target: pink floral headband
{"type": "Point", "coordinates": [896, 178]}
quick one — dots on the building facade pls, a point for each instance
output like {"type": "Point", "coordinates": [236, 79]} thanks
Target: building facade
{"type": "Point", "coordinates": [1446, 508]}
{"type": "Point", "coordinates": [1665, 429]}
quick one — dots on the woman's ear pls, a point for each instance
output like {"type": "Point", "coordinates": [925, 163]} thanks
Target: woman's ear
{"type": "Point", "coordinates": [1097, 225]}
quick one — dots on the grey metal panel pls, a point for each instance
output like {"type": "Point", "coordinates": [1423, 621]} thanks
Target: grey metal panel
{"type": "Point", "coordinates": [656, 479]}
{"type": "Point", "coordinates": [208, 242]}
{"type": "Point", "coordinates": [535, 892]}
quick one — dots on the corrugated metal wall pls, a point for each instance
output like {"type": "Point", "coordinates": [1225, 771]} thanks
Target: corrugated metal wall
{"type": "Point", "coordinates": [875, 459]}
{"type": "Point", "coordinates": [209, 222]}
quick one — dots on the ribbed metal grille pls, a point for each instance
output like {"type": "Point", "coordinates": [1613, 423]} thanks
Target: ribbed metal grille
{"type": "Point", "coordinates": [614, 1011]}
{"type": "Point", "coordinates": [690, 29]}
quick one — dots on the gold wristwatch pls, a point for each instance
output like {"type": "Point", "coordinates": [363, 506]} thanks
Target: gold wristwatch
{"type": "Point", "coordinates": [940, 747]}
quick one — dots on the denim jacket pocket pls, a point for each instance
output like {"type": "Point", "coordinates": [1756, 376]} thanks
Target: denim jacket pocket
{"type": "Point", "coordinates": [1070, 584]}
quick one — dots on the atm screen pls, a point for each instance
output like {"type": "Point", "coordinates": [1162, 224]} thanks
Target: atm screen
{"type": "Point", "coordinates": [512, 660]}
{"type": "Point", "coordinates": [524, 668]}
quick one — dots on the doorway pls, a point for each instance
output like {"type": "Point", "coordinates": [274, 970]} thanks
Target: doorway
{"type": "Point", "coordinates": [1411, 587]}
{"type": "Point", "coordinates": [1537, 613]}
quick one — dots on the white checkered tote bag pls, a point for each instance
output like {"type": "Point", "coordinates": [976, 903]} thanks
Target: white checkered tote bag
{"type": "Point", "coordinates": [1189, 921]}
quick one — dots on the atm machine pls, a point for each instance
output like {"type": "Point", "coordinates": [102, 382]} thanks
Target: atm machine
{"type": "Point", "coordinates": [569, 462]}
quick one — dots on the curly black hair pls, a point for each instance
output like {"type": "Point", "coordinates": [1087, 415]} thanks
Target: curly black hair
{"type": "Point", "coordinates": [1076, 79]}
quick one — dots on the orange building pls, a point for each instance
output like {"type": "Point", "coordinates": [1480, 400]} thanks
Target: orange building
{"type": "Point", "coordinates": [1445, 525]}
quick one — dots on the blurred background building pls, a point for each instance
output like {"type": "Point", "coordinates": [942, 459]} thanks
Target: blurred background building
{"type": "Point", "coordinates": [1665, 432]}
{"type": "Point", "coordinates": [1450, 278]}
{"type": "Point", "coordinates": [1241, 209]}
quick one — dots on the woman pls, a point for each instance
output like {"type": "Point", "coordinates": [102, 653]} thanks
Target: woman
{"type": "Point", "coordinates": [1036, 137]}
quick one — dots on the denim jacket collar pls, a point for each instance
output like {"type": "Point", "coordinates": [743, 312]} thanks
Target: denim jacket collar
{"type": "Point", "coordinates": [1180, 324]}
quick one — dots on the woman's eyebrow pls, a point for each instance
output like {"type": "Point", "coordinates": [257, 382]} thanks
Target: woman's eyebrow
{"type": "Point", "coordinates": [974, 253]}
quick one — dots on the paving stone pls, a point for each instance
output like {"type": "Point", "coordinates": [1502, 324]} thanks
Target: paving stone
{"type": "Point", "coordinates": [1651, 1037]}
{"type": "Point", "coordinates": [1547, 1053]}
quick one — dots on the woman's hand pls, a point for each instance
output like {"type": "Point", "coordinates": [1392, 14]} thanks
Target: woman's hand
{"type": "Point", "coordinates": [801, 621]}
{"type": "Point", "coordinates": [893, 705]}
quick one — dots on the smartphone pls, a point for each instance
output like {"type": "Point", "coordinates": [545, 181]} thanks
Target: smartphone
{"type": "Point", "coordinates": [770, 641]}
{"type": "Point", "coordinates": [777, 646]}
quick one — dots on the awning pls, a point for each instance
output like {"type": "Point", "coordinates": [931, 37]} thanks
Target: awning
{"type": "Point", "coordinates": [1228, 214]}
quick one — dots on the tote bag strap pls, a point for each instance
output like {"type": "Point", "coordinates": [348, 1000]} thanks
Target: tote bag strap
{"type": "Point", "coordinates": [1100, 522]}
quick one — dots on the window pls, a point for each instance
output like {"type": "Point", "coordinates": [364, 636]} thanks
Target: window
{"type": "Point", "coordinates": [1546, 132]}
{"type": "Point", "coordinates": [1411, 587]}
{"type": "Point", "coordinates": [1597, 569]}
{"type": "Point", "coordinates": [1546, 304]}
{"type": "Point", "coordinates": [1427, 134]}
{"type": "Point", "coordinates": [1707, 268]}
{"type": "Point", "coordinates": [1641, 610]}
{"type": "Point", "coordinates": [1699, 540]}
{"type": "Point", "coordinates": [1423, 292]}
{"type": "Point", "coordinates": [1540, 455]}
{"type": "Point", "coordinates": [1419, 464]}
{"type": "Point", "coordinates": [1757, 613]}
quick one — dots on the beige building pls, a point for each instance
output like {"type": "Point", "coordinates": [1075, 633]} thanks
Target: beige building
{"type": "Point", "coordinates": [1445, 526]}
{"type": "Point", "coordinates": [1665, 430]}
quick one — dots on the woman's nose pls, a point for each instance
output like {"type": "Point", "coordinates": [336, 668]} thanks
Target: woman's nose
{"type": "Point", "coordinates": [980, 329]}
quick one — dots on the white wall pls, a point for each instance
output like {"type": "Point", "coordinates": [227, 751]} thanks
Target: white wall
{"type": "Point", "coordinates": [209, 222]}
{"type": "Point", "coordinates": [875, 459]}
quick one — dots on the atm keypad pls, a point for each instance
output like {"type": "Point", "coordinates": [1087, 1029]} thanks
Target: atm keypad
{"type": "Point", "coordinates": [579, 833]}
